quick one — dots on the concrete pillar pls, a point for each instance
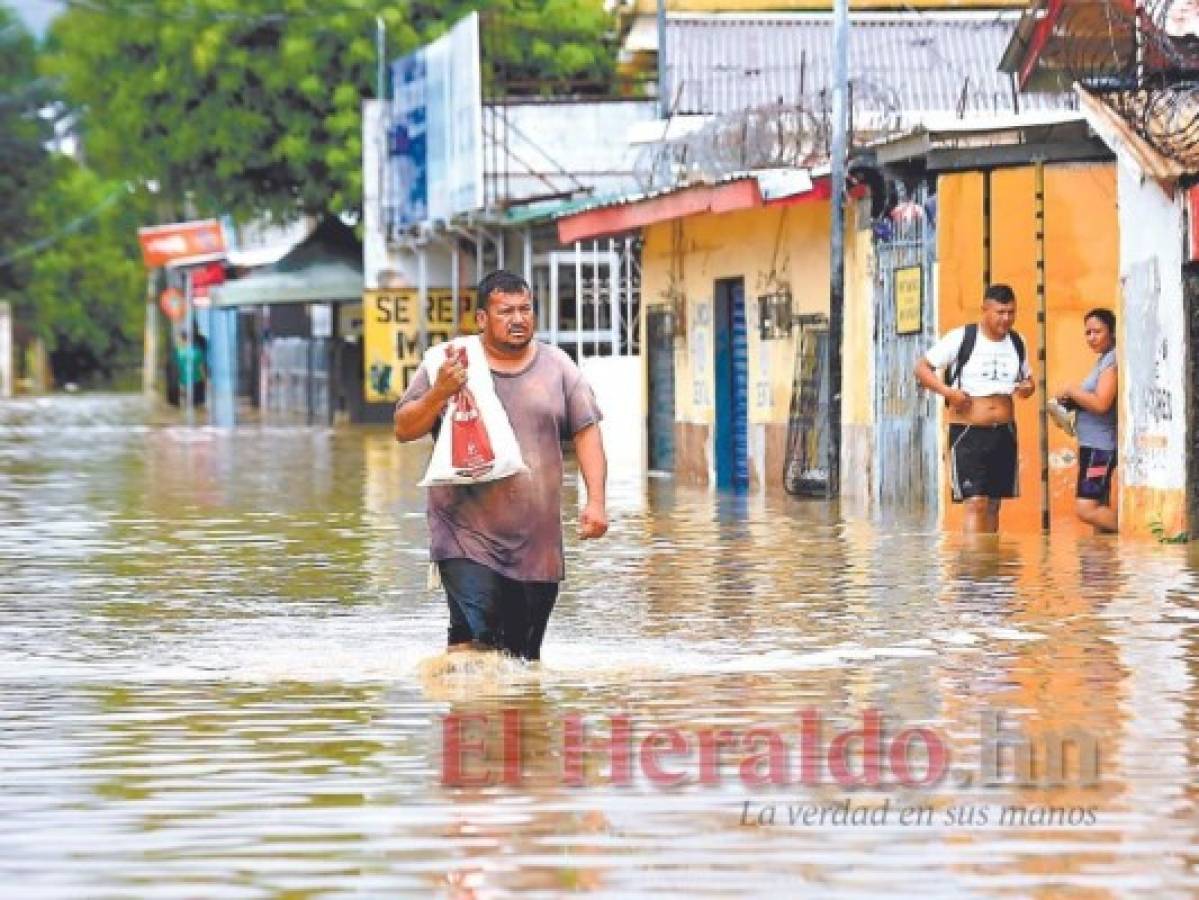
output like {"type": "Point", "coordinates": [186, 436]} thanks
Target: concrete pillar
{"type": "Point", "coordinates": [38, 366]}
{"type": "Point", "coordinates": [6, 363]}
{"type": "Point", "coordinates": [222, 368]}
{"type": "Point", "coordinates": [150, 340]}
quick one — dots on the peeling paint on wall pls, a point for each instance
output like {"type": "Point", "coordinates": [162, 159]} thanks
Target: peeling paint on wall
{"type": "Point", "coordinates": [1153, 361]}
{"type": "Point", "coordinates": [700, 343]}
{"type": "Point", "coordinates": [1154, 451]}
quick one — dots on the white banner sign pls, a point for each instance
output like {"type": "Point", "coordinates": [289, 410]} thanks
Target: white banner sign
{"type": "Point", "coordinates": [436, 142]}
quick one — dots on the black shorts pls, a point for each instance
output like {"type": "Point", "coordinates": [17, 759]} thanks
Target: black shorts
{"type": "Point", "coordinates": [983, 461]}
{"type": "Point", "coordinates": [1095, 469]}
{"type": "Point", "coordinates": [493, 611]}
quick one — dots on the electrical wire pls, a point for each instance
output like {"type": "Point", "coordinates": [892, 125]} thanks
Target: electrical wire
{"type": "Point", "coordinates": [70, 228]}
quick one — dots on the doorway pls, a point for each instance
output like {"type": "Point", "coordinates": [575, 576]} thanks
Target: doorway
{"type": "Point", "coordinates": [661, 389]}
{"type": "Point", "coordinates": [731, 369]}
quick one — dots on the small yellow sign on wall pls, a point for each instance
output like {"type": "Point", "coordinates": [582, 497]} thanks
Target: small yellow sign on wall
{"type": "Point", "coordinates": [909, 298]}
{"type": "Point", "coordinates": [391, 334]}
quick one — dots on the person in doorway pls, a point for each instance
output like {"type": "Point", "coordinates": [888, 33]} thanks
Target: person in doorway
{"type": "Point", "coordinates": [191, 365]}
{"type": "Point", "coordinates": [1094, 401]}
{"type": "Point", "coordinates": [498, 544]}
{"type": "Point", "coordinates": [986, 369]}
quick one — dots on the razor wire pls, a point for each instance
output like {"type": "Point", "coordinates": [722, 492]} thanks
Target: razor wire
{"type": "Point", "coordinates": [1143, 61]}
{"type": "Point", "coordinates": [792, 134]}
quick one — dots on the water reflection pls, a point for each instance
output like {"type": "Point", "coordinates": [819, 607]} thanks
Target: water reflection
{"type": "Point", "coordinates": [210, 683]}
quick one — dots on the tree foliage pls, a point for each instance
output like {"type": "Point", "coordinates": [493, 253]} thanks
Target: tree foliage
{"type": "Point", "coordinates": [535, 46]}
{"type": "Point", "coordinates": [250, 106]}
{"type": "Point", "coordinates": [242, 107]}
{"type": "Point", "coordinates": [24, 162]}
{"type": "Point", "coordinates": [86, 290]}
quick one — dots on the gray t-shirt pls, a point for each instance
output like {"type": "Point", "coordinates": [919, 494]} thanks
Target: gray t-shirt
{"type": "Point", "coordinates": [514, 526]}
{"type": "Point", "coordinates": [1098, 431]}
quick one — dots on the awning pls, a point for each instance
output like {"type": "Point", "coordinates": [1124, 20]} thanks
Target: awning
{"type": "Point", "coordinates": [741, 190]}
{"type": "Point", "coordinates": [324, 267]}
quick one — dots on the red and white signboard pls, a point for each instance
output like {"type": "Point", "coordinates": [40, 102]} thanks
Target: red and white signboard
{"type": "Point", "coordinates": [184, 243]}
{"type": "Point", "coordinates": [203, 278]}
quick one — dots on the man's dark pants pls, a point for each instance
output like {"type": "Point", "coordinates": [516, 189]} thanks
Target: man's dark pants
{"type": "Point", "coordinates": [489, 609]}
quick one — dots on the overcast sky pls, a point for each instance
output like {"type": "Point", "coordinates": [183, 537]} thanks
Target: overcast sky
{"type": "Point", "coordinates": [36, 13]}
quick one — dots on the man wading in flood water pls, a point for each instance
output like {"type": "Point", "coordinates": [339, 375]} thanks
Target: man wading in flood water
{"type": "Point", "coordinates": [986, 369]}
{"type": "Point", "coordinates": [498, 544]}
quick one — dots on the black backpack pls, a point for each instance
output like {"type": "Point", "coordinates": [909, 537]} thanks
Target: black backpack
{"type": "Point", "coordinates": [953, 372]}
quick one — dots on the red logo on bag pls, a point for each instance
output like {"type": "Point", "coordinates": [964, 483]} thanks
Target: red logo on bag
{"type": "Point", "coordinates": [470, 446]}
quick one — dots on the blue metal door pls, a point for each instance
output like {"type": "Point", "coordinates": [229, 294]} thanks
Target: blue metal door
{"type": "Point", "coordinates": [905, 416]}
{"type": "Point", "coordinates": [732, 380]}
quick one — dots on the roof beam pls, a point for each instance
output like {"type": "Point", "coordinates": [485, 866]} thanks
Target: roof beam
{"type": "Point", "coordinates": [973, 158]}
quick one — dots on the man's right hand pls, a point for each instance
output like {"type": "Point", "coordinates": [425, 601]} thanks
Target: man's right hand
{"type": "Point", "coordinates": [959, 401]}
{"type": "Point", "coordinates": [450, 379]}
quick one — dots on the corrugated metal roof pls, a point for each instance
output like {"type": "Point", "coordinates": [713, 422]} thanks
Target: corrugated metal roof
{"type": "Point", "coordinates": [611, 200]}
{"type": "Point", "coordinates": [908, 62]}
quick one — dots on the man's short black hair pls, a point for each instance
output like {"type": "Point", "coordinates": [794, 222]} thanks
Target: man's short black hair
{"type": "Point", "coordinates": [1000, 293]}
{"type": "Point", "coordinates": [500, 281]}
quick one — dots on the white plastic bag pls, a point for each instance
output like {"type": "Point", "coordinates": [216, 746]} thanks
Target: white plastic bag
{"type": "Point", "coordinates": [506, 450]}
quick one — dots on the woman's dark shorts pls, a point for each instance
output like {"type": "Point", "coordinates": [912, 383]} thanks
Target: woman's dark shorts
{"type": "Point", "coordinates": [983, 461]}
{"type": "Point", "coordinates": [1095, 468]}
{"type": "Point", "coordinates": [488, 609]}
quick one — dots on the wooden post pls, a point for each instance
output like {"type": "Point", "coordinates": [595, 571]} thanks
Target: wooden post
{"type": "Point", "coordinates": [1042, 340]}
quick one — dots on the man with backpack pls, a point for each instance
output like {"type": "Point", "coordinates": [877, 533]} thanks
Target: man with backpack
{"type": "Point", "coordinates": [986, 368]}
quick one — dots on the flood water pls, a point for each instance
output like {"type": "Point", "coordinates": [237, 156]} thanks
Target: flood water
{"type": "Point", "coordinates": [215, 682]}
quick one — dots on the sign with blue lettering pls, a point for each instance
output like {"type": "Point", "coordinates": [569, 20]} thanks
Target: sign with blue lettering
{"type": "Point", "coordinates": [436, 141]}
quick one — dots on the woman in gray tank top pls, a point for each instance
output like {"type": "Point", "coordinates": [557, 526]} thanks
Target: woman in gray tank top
{"type": "Point", "coordinates": [1095, 400]}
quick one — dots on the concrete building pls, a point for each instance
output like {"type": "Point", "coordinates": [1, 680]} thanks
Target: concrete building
{"type": "Point", "coordinates": [1029, 201]}
{"type": "Point", "coordinates": [457, 183]}
{"type": "Point", "coordinates": [1125, 69]}
{"type": "Point", "coordinates": [736, 231]}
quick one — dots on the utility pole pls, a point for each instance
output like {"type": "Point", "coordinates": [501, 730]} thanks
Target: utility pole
{"type": "Point", "coordinates": [150, 337]}
{"type": "Point", "coordinates": [189, 409]}
{"type": "Point", "coordinates": [663, 87]}
{"type": "Point", "coordinates": [837, 173]}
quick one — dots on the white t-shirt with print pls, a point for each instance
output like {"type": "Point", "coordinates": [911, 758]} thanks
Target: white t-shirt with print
{"type": "Point", "coordinates": [993, 368]}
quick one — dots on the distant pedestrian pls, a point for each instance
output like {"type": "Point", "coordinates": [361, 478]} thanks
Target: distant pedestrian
{"type": "Point", "coordinates": [1095, 423]}
{"type": "Point", "coordinates": [191, 366]}
{"type": "Point", "coordinates": [986, 367]}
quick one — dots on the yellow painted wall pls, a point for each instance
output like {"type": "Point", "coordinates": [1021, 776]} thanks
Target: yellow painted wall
{"type": "Point", "coordinates": [857, 394]}
{"type": "Point", "coordinates": [857, 353]}
{"type": "Point", "coordinates": [739, 244]}
{"type": "Point", "coordinates": [1081, 269]}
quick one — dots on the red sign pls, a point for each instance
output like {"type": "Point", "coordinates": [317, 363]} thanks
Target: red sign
{"type": "Point", "coordinates": [205, 277]}
{"type": "Point", "coordinates": [184, 242]}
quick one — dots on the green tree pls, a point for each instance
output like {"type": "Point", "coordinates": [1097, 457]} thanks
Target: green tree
{"type": "Point", "coordinates": [535, 46]}
{"type": "Point", "coordinates": [86, 289]}
{"type": "Point", "coordinates": [251, 106]}
{"type": "Point", "coordinates": [24, 162]}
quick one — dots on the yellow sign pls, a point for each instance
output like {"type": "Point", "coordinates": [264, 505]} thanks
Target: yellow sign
{"type": "Point", "coordinates": [909, 297]}
{"type": "Point", "coordinates": [391, 350]}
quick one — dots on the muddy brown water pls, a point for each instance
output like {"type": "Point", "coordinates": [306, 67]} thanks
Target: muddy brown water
{"type": "Point", "coordinates": [219, 678]}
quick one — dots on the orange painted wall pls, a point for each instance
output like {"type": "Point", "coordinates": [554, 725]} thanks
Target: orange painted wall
{"type": "Point", "coordinates": [1081, 268]}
